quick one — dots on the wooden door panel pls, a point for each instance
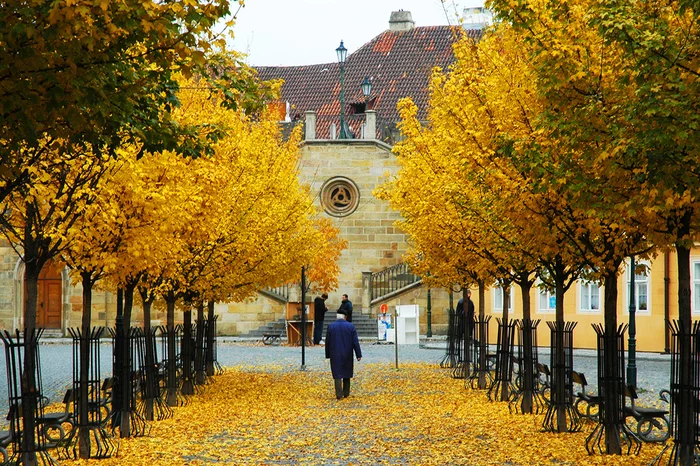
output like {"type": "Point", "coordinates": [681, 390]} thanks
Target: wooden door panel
{"type": "Point", "coordinates": [52, 304]}
{"type": "Point", "coordinates": [49, 304]}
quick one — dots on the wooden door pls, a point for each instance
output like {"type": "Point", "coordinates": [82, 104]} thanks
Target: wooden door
{"type": "Point", "coordinates": [49, 302]}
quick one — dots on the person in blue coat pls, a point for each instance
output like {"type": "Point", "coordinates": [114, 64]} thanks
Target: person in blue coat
{"type": "Point", "coordinates": [341, 341]}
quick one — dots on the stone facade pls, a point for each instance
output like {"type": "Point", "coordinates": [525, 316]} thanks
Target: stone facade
{"type": "Point", "coordinates": [373, 241]}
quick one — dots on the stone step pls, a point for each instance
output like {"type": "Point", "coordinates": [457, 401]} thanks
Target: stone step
{"type": "Point", "coordinates": [366, 326]}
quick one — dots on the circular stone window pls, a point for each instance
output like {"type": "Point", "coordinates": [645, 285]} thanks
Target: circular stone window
{"type": "Point", "coordinates": [339, 196]}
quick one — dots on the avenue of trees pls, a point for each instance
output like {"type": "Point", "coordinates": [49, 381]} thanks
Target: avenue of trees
{"type": "Point", "coordinates": [139, 152]}
{"type": "Point", "coordinates": [561, 143]}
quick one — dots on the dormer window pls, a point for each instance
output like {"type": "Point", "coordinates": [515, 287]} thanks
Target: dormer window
{"type": "Point", "coordinates": [357, 108]}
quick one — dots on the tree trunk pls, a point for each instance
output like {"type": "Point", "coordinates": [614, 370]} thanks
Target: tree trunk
{"type": "Point", "coordinates": [171, 395]}
{"type": "Point", "coordinates": [85, 328]}
{"type": "Point", "coordinates": [200, 376]}
{"type": "Point", "coordinates": [126, 373]}
{"type": "Point", "coordinates": [558, 371]}
{"type": "Point", "coordinates": [210, 339]}
{"type": "Point", "coordinates": [505, 345]}
{"type": "Point", "coordinates": [482, 337]}
{"type": "Point", "coordinates": [687, 410]}
{"type": "Point", "coordinates": [151, 367]}
{"type": "Point", "coordinates": [186, 354]}
{"type": "Point", "coordinates": [29, 383]}
{"type": "Point", "coordinates": [610, 391]}
{"type": "Point", "coordinates": [527, 363]}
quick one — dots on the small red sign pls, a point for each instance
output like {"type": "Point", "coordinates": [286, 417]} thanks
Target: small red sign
{"type": "Point", "coordinates": [384, 308]}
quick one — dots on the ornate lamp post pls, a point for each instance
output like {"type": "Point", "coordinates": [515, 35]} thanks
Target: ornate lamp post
{"type": "Point", "coordinates": [366, 87]}
{"type": "Point", "coordinates": [342, 54]}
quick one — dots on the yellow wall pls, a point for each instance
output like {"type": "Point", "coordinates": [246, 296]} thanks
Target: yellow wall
{"type": "Point", "coordinates": [650, 324]}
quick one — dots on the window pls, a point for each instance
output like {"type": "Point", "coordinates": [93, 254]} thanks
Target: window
{"type": "Point", "coordinates": [548, 302]}
{"type": "Point", "coordinates": [641, 287]}
{"type": "Point", "coordinates": [498, 299]}
{"type": "Point", "coordinates": [589, 294]}
{"type": "Point", "coordinates": [695, 294]}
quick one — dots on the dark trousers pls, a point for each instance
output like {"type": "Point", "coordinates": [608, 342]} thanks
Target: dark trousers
{"type": "Point", "coordinates": [318, 332]}
{"type": "Point", "coordinates": [342, 388]}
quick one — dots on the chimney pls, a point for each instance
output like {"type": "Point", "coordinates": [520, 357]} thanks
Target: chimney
{"type": "Point", "coordinates": [400, 21]}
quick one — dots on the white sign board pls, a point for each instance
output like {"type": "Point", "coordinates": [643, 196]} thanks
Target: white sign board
{"type": "Point", "coordinates": [407, 326]}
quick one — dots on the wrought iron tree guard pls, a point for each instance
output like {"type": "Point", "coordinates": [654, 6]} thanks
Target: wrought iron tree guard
{"type": "Point", "coordinates": [200, 374]}
{"type": "Point", "coordinates": [188, 385]}
{"type": "Point", "coordinates": [462, 366]}
{"type": "Point", "coordinates": [685, 396]}
{"type": "Point", "coordinates": [480, 377]}
{"type": "Point", "coordinates": [611, 434]}
{"type": "Point", "coordinates": [501, 388]}
{"type": "Point", "coordinates": [170, 338]}
{"type": "Point", "coordinates": [152, 406]}
{"type": "Point", "coordinates": [90, 439]}
{"type": "Point", "coordinates": [186, 355]}
{"type": "Point", "coordinates": [24, 393]}
{"type": "Point", "coordinates": [450, 358]}
{"type": "Point", "coordinates": [561, 416]}
{"type": "Point", "coordinates": [212, 366]}
{"type": "Point", "coordinates": [128, 360]}
{"type": "Point", "coordinates": [527, 398]}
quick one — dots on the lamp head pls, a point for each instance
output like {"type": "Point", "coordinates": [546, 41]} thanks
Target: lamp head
{"type": "Point", "coordinates": [366, 87]}
{"type": "Point", "coordinates": [342, 53]}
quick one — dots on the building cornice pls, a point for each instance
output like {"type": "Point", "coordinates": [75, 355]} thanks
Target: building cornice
{"type": "Point", "coordinates": [351, 142]}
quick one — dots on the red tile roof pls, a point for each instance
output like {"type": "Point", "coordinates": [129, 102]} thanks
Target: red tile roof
{"type": "Point", "coordinates": [398, 64]}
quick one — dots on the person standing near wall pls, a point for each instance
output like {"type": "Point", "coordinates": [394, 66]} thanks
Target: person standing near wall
{"type": "Point", "coordinates": [320, 310]}
{"type": "Point", "coordinates": [346, 308]}
{"type": "Point", "coordinates": [341, 341]}
{"type": "Point", "coordinates": [470, 315]}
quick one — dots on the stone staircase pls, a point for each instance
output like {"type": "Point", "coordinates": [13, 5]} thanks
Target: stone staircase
{"type": "Point", "coordinates": [366, 326]}
{"type": "Point", "coordinates": [271, 327]}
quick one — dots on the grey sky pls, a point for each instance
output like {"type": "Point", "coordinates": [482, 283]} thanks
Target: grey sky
{"type": "Point", "coordinates": [303, 32]}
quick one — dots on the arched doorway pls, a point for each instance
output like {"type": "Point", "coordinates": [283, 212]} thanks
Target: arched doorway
{"type": "Point", "coordinates": [49, 302]}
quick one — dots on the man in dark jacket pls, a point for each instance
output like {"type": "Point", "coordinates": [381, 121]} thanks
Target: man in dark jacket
{"type": "Point", "coordinates": [319, 310]}
{"type": "Point", "coordinates": [346, 308]}
{"type": "Point", "coordinates": [341, 341]}
{"type": "Point", "coordinates": [470, 315]}
{"type": "Point", "coordinates": [459, 329]}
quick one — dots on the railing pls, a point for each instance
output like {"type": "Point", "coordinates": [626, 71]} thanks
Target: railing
{"type": "Point", "coordinates": [391, 280]}
{"type": "Point", "coordinates": [280, 293]}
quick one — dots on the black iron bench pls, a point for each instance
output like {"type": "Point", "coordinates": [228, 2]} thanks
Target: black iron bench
{"type": "Point", "coordinates": [652, 423]}
{"type": "Point", "coordinates": [545, 381]}
{"type": "Point", "coordinates": [8, 436]}
{"type": "Point", "coordinates": [586, 404]}
{"type": "Point", "coordinates": [57, 427]}
{"type": "Point", "coordinates": [272, 338]}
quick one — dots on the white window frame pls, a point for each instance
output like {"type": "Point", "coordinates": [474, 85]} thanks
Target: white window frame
{"type": "Point", "coordinates": [498, 299]}
{"type": "Point", "coordinates": [695, 287]}
{"type": "Point", "coordinates": [639, 284]}
{"type": "Point", "coordinates": [550, 299]}
{"type": "Point", "coordinates": [584, 297]}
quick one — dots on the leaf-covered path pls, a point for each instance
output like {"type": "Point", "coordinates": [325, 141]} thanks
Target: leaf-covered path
{"type": "Point", "coordinates": [415, 415]}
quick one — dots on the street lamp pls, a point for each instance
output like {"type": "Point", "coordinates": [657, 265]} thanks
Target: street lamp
{"type": "Point", "coordinates": [342, 54]}
{"type": "Point", "coordinates": [366, 87]}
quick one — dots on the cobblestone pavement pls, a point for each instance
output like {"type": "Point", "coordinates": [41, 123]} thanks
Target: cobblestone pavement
{"type": "Point", "coordinates": [56, 362]}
